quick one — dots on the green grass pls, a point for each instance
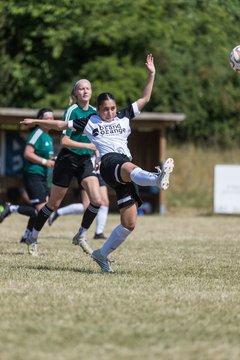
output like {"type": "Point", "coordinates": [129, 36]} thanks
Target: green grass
{"type": "Point", "coordinates": [175, 293]}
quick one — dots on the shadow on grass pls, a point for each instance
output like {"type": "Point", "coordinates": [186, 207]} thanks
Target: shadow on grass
{"type": "Point", "coordinates": [54, 268]}
{"type": "Point", "coordinates": [70, 269]}
{"type": "Point", "coordinates": [56, 237]}
{"type": "Point", "coordinates": [12, 253]}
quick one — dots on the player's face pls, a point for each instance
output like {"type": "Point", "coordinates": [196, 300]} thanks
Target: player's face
{"type": "Point", "coordinates": [107, 110]}
{"type": "Point", "coordinates": [48, 116]}
{"type": "Point", "coordinates": [83, 91]}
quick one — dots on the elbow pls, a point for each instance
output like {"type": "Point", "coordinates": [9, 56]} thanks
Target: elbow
{"type": "Point", "coordinates": [27, 157]}
{"type": "Point", "coordinates": [64, 143]}
{"type": "Point", "coordinates": [145, 101]}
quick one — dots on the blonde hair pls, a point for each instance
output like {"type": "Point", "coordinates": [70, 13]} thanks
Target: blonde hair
{"type": "Point", "coordinates": [72, 99]}
{"type": "Point", "coordinates": [72, 96]}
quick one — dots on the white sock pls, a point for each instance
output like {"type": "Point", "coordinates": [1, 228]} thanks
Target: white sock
{"type": "Point", "coordinates": [35, 233]}
{"type": "Point", "coordinates": [143, 178]}
{"type": "Point", "coordinates": [82, 230]}
{"type": "Point", "coordinates": [26, 234]}
{"type": "Point", "coordinates": [116, 238]}
{"type": "Point", "coordinates": [14, 208]}
{"type": "Point", "coordinates": [101, 219]}
{"type": "Point", "coordinates": [71, 209]}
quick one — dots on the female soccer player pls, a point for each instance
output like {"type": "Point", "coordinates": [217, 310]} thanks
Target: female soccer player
{"type": "Point", "coordinates": [79, 208]}
{"type": "Point", "coordinates": [109, 131]}
{"type": "Point", "coordinates": [39, 156]}
{"type": "Point", "coordinates": [74, 160]}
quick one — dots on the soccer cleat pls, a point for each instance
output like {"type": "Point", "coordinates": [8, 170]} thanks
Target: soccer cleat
{"type": "Point", "coordinates": [25, 236]}
{"type": "Point", "coordinates": [164, 174]}
{"type": "Point", "coordinates": [23, 240]}
{"type": "Point", "coordinates": [81, 240]}
{"type": "Point", "coordinates": [32, 246]}
{"type": "Point", "coordinates": [102, 261]}
{"type": "Point", "coordinates": [6, 212]}
{"type": "Point", "coordinates": [54, 215]}
{"type": "Point", "coordinates": [100, 236]}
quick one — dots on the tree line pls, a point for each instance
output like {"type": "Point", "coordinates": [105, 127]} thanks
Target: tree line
{"type": "Point", "coordinates": [46, 46]}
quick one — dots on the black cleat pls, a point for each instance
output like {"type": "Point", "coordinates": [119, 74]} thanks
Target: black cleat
{"type": "Point", "coordinates": [23, 240]}
{"type": "Point", "coordinates": [6, 212]}
{"type": "Point", "coordinates": [99, 236]}
{"type": "Point", "coordinates": [54, 215]}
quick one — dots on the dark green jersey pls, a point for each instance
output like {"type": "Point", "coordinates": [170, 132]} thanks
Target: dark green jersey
{"type": "Point", "coordinates": [76, 112]}
{"type": "Point", "coordinates": [43, 147]}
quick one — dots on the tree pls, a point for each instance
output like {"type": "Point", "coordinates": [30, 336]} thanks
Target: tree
{"type": "Point", "coordinates": [47, 46]}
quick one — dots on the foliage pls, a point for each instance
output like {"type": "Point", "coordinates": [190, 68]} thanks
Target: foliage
{"type": "Point", "coordinates": [46, 46]}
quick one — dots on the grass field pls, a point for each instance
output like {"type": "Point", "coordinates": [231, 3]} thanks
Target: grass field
{"type": "Point", "coordinates": [175, 293]}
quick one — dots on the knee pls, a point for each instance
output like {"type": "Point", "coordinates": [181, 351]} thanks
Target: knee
{"type": "Point", "coordinates": [96, 203]}
{"type": "Point", "coordinates": [94, 198]}
{"type": "Point", "coordinates": [53, 205]}
{"type": "Point", "coordinates": [130, 225]}
{"type": "Point", "coordinates": [105, 202]}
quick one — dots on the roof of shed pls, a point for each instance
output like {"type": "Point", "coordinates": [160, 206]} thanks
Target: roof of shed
{"type": "Point", "coordinates": [13, 116]}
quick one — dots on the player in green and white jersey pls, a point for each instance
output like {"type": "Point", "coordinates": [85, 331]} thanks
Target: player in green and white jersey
{"type": "Point", "coordinates": [74, 160]}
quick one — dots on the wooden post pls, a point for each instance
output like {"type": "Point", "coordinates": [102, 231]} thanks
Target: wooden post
{"type": "Point", "coordinates": [162, 157]}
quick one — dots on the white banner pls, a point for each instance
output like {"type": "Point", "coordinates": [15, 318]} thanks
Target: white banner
{"type": "Point", "coordinates": [227, 189]}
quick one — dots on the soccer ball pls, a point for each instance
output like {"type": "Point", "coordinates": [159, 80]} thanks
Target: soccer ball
{"type": "Point", "coordinates": [234, 58]}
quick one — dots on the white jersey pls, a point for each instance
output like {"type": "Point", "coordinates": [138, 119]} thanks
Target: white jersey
{"type": "Point", "coordinates": [108, 136]}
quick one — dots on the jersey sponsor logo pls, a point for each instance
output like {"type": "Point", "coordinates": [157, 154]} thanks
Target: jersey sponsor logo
{"type": "Point", "coordinates": [95, 132]}
{"type": "Point", "coordinates": [109, 130]}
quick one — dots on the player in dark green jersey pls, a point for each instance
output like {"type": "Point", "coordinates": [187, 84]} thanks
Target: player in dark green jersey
{"type": "Point", "coordinates": [39, 154]}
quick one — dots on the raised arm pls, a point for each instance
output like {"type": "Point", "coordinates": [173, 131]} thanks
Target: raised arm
{"type": "Point", "coordinates": [58, 125]}
{"type": "Point", "coordinates": [147, 91]}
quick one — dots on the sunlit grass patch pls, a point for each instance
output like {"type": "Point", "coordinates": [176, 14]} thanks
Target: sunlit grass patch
{"type": "Point", "coordinates": [174, 295]}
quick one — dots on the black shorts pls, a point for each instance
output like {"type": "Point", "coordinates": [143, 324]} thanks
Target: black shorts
{"type": "Point", "coordinates": [127, 193]}
{"type": "Point", "coordinates": [69, 165]}
{"type": "Point", "coordinates": [36, 187]}
{"type": "Point", "coordinates": [100, 180]}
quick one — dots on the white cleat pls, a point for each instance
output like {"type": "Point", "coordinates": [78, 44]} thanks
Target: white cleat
{"type": "Point", "coordinates": [32, 246]}
{"type": "Point", "coordinates": [164, 174]}
{"type": "Point", "coordinates": [102, 261]}
{"type": "Point", "coordinates": [81, 240]}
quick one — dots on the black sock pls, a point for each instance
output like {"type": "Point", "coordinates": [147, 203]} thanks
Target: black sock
{"type": "Point", "coordinates": [89, 215]}
{"type": "Point", "coordinates": [42, 217]}
{"type": "Point", "coordinates": [27, 210]}
{"type": "Point", "coordinates": [31, 223]}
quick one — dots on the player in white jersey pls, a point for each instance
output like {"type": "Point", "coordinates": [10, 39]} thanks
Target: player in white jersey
{"type": "Point", "coordinates": [109, 131]}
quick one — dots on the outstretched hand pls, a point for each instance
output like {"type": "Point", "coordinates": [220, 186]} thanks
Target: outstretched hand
{"type": "Point", "coordinates": [26, 122]}
{"type": "Point", "coordinates": [150, 63]}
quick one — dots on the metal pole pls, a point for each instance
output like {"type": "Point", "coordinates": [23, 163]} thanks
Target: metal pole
{"type": "Point", "coordinates": [162, 157]}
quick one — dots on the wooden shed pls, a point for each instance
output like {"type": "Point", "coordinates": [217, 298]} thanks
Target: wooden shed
{"type": "Point", "coordinates": [148, 145]}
